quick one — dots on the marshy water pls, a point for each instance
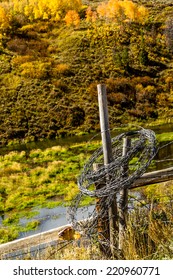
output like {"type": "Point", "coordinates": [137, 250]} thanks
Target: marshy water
{"type": "Point", "coordinates": [55, 217]}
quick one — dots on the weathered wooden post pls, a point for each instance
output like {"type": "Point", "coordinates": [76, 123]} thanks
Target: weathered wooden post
{"type": "Point", "coordinates": [102, 220]}
{"type": "Point", "coordinates": [123, 196]}
{"type": "Point", "coordinates": [107, 154]}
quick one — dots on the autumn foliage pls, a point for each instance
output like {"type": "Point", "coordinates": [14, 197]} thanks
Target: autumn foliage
{"type": "Point", "coordinates": [122, 10]}
{"type": "Point", "coordinates": [68, 11]}
{"type": "Point", "coordinates": [33, 10]}
{"type": "Point", "coordinates": [54, 53]}
{"type": "Point", "coordinates": [4, 19]}
{"type": "Point", "coordinates": [72, 18]}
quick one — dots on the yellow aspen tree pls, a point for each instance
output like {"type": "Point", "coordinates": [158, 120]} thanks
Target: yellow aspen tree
{"type": "Point", "coordinates": [45, 16]}
{"type": "Point", "coordinates": [115, 10]}
{"type": "Point", "coordinates": [16, 5]}
{"type": "Point", "coordinates": [142, 14]}
{"type": "Point", "coordinates": [4, 19]}
{"type": "Point", "coordinates": [43, 9]}
{"type": "Point", "coordinates": [54, 6]}
{"type": "Point", "coordinates": [57, 16]}
{"type": "Point", "coordinates": [42, 6]}
{"type": "Point", "coordinates": [37, 13]}
{"type": "Point", "coordinates": [73, 4]}
{"type": "Point", "coordinates": [28, 10]}
{"type": "Point", "coordinates": [130, 9]}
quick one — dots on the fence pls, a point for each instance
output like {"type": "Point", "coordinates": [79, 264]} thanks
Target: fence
{"type": "Point", "coordinates": [112, 171]}
{"type": "Point", "coordinates": [115, 168]}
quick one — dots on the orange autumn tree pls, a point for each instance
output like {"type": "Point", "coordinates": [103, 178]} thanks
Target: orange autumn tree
{"type": "Point", "coordinates": [91, 16]}
{"type": "Point", "coordinates": [115, 9]}
{"type": "Point", "coordinates": [122, 11]}
{"type": "Point", "coordinates": [72, 18]}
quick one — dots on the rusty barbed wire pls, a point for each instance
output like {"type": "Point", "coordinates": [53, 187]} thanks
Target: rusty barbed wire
{"type": "Point", "coordinates": [111, 177]}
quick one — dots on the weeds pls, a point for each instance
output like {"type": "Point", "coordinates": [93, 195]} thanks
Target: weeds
{"type": "Point", "coordinates": [149, 231]}
{"type": "Point", "coordinates": [149, 235]}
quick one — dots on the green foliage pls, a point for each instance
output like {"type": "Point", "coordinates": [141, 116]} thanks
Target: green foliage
{"type": "Point", "coordinates": [8, 234]}
{"type": "Point", "coordinates": [167, 136]}
{"type": "Point", "coordinates": [32, 225]}
{"type": "Point", "coordinates": [35, 69]}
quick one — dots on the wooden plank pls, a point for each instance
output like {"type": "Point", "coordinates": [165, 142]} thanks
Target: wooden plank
{"type": "Point", "coordinates": [154, 177]}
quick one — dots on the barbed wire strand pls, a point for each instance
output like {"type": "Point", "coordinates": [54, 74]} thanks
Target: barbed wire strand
{"type": "Point", "coordinates": [142, 151]}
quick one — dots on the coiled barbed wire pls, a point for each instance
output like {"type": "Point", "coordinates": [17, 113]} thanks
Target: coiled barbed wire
{"type": "Point", "coordinates": [113, 177]}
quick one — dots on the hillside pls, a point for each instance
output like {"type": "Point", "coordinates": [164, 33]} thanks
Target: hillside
{"type": "Point", "coordinates": [52, 58]}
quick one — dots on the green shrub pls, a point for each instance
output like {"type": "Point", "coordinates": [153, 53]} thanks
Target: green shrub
{"type": "Point", "coordinates": [8, 234]}
{"type": "Point", "coordinates": [35, 69]}
{"type": "Point", "coordinates": [33, 225]}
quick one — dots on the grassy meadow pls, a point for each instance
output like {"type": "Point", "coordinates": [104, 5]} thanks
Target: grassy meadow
{"type": "Point", "coordinates": [39, 178]}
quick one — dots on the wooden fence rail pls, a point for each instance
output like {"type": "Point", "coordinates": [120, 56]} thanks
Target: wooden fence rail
{"type": "Point", "coordinates": [154, 177]}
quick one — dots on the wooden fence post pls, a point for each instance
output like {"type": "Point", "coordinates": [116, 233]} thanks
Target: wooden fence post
{"type": "Point", "coordinates": [123, 197]}
{"type": "Point", "coordinates": [103, 218]}
{"type": "Point", "coordinates": [107, 153]}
